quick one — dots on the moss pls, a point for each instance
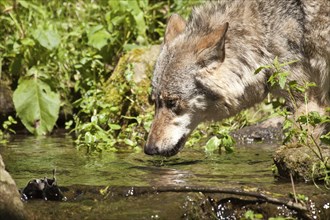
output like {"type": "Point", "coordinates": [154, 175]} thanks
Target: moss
{"type": "Point", "coordinates": [129, 85]}
{"type": "Point", "coordinates": [300, 161]}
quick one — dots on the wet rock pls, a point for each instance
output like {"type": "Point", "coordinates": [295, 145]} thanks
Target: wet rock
{"type": "Point", "coordinates": [133, 72]}
{"type": "Point", "coordinates": [301, 161]}
{"type": "Point", "coordinates": [11, 206]}
{"type": "Point", "coordinates": [269, 131]}
{"type": "Point", "coordinates": [128, 87]}
{"type": "Point", "coordinates": [45, 188]}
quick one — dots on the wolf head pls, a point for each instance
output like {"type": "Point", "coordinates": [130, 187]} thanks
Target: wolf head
{"type": "Point", "coordinates": [180, 91]}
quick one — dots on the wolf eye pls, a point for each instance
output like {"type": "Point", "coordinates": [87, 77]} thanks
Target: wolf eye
{"type": "Point", "coordinates": [171, 103]}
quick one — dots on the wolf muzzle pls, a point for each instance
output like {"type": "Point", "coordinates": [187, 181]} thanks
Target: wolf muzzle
{"type": "Point", "coordinates": [167, 151]}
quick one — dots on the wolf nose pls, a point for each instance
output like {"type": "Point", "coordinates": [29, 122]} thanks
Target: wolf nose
{"type": "Point", "coordinates": [151, 150]}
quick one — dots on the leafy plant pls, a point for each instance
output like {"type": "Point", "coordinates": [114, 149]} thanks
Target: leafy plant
{"type": "Point", "coordinates": [65, 49]}
{"type": "Point", "coordinates": [251, 215]}
{"type": "Point", "coordinates": [7, 125]}
{"type": "Point", "coordinates": [300, 128]}
{"type": "Point", "coordinates": [6, 129]}
{"type": "Point", "coordinates": [217, 143]}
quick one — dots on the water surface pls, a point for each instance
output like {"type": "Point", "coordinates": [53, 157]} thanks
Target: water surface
{"type": "Point", "coordinates": [83, 176]}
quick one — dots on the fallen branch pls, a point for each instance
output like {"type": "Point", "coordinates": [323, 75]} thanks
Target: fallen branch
{"type": "Point", "coordinates": [260, 197]}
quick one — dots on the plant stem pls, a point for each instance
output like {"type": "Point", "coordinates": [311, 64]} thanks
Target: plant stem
{"type": "Point", "coordinates": [293, 188]}
{"type": "Point", "coordinates": [320, 155]}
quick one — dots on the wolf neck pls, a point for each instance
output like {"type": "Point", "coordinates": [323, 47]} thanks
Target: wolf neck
{"type": "Point", "coordinates": [244, 54]}
{"type": "Point", "coordinates": [250, 43]}
{"type": "Point", "coordinates": [240, 87]}
{"type": "Point", "coordinates": [245, 51]}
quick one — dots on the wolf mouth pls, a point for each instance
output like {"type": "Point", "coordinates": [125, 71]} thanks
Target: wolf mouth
{"type": "Point", "coordinates": [178, 146]}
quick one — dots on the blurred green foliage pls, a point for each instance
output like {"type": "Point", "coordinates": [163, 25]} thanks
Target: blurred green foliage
{"type": "Point", "coordinates": [56, 56]}
{"type": "Point", "coordinates": [59, 56]}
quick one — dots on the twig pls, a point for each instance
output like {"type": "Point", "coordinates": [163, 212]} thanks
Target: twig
{"type": "Point", "coordinates": [293, 188]}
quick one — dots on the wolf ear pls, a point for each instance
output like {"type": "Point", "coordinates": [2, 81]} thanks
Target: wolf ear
{"type": "Point", "coordinates": [212, 46]}
{"type": "Point", "coordinates": [211, 50]}
{"type": "Point", "coordinates": [175, 26]}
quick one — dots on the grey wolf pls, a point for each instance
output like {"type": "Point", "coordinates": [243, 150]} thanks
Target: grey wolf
{"type": "Point", "coordinates": [205, 69]}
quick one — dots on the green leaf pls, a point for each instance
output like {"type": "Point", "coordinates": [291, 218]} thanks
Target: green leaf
{"type": "Point", "coordinates": [292, 84]}
{"type": "Point", "coordinates": [302, 119]}
{"type": "Point", "coordinates": [35, 7]}
{"type": "Point", "coordinates": [28, 42]}
{"type": "Point", "coordinates": [261, 68]}
{"type": "Point", "coordinates": [90, 138]}
{"type": "Point", "coordinates": [287, 124]}
{"type": "Point", "coordinates": [296, 87]}
{"type": "Point", "coordinates": [325, 138]}
{"type": "Point", "coordinates": [138, 15]}
{"type": "Point", "coordinates": [228, 142]}
{"type": "Point", "coordinates": [36, 105]}
{"type": "Point", "coordinates": [249, 214]}
{"type": "Point", "coordinates": [314, 118]}
{"type": "Point", "coordinates": [115, 126]}
{"type": "Point", "coordinates": [288, 63]}
{"type": "Point", "coordinates": [282, 79]}
{"type": "Point", "coordinates": [276, 63]}
{"type": "Point", "coordinates": [310, 84]}
{"type": "Point", "coordinates": [47, 38]}
{"type": "Point", "coordinates": [98, 37]}
{"type": "Point", "coordinates": [212, 144]}
{"type": "Point", "coordinates": [129, 142]}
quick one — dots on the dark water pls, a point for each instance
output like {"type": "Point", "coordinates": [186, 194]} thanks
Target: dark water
{"type": "Point", "coordinates": [84, 179]}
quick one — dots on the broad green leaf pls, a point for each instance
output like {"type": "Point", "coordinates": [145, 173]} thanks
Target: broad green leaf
{"type": "Point", "coordinates": [47, 38]}
{"type": "Point", "coordinates": [129, 142]}
{"type": "Point", "coordinates": [98, 37]}
{"type": "Point", "coordinates": [36, 105]}
{"type": "Point", "coordinates": [212, 144]}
